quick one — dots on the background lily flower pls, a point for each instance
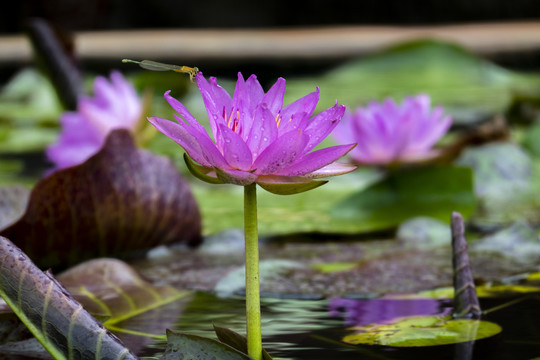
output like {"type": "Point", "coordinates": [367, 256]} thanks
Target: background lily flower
{"type": "Point", "coordinates": [115, 105]}
{"type": "Point", "coordinates": [387, 132]}
{"type": "Point", "coordinates": [255, 138]}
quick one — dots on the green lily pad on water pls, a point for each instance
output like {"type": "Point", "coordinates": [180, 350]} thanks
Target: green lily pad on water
{"type": "Point", "coordinates": [469, 87]}
{"type": "Point", "coordinates": [430, 191]}
{"type": "Point", "coordinates": [422, 331]}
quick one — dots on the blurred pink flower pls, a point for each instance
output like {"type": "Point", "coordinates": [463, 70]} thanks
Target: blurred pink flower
{"type": "Point", "coordinates": [115, 105]}
{"type": "Point", "coordinates": [255, 138]}
{"type": "Point", "coordinates": [388, 133]}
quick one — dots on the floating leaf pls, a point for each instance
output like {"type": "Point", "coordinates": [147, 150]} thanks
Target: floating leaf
{"type": "Point", "coordinates": [469, 87]}
{"type": "Point", "coordinates": [185, 346]}
{"type": "Point", "coordinates": [119, 201]}
{"type": "Point", "coordinates": [55, 318]}
{"type": "Point", "coordinates": [422, 331]}
{"type": "Point", "coordinates": [409, 193]}
{"type": "Point", "coordinates": [304, 212]}
{"type": "Point", "coordinates": [481, 291]}
{"type": "Point", "coordinates": [237, 341]}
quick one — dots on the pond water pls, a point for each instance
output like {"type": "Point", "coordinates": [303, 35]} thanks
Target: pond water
{"type": "Point", "coordinates": [313, 328]}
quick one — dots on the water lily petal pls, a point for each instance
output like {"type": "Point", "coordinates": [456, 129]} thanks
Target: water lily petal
{"type": "Point", "coordinates": [322, 125]}
{"type": "Point", "coordinates": [284, 151]}
{"type": "Point", "coordinates": [235, 150]}
{"type": "Point", "coordinates": [183, 112]}
{"type": "Point", "coordinates": [387, 132]}
{"type": "Point", "coordinates": [332, 169]}
{"type": "Point", "coordinates": [198, 145]}
{"type": "Point", "coordinates": [252, 94]}
{"type": "Point", "coordinates": [316, 160]}
{"type": "Point", "coordinates": [305, 104]}
{"type": "Point", "coordinates": [217, 101]}
{"type": "Point", "coordinates": [77, 142]}
{"type": "Point", "coordinates": [263, 132]}
{"type": "Point", "coordinates": [274, 97]}
{"type": "Point", "coordinates": [296, 121]}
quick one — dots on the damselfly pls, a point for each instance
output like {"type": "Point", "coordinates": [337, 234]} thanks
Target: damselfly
{"type": "Point", "coordinates": [157, 66]}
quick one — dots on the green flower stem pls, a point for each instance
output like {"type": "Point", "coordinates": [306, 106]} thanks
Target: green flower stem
{"type": "Point", "coordinates": [253, 303]}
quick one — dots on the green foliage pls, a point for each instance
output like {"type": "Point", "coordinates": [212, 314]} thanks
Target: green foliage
{"type": "Point", "coordinates": [429, 191]}
{"type": "Point", "coordinates": [468, 86]}
{"type": "Point", "coordinates": [422, 331]}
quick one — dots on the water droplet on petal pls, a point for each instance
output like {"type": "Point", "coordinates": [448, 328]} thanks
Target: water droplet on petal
{"type": "Point", "coordinates": [265, 138]}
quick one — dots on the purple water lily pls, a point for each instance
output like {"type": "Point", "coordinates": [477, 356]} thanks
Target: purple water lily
{"type": "Point", "coordinates": [255, 138]}
{"type": "Point", "coordinates": [387, 132]}
{"type": "Point", "coordinates": [115, 105]}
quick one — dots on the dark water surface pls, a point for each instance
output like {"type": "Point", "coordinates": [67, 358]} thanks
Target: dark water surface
{"type": "Point", "coordinates": [312, 329]}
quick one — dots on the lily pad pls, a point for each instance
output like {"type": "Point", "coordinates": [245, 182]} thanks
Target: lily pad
{"type": "Point", "coordinates": [120, 201]}
{"type": "Point", "coordinates": [410, 193]}
{"type": "Point", "coordinates": [469, 87]}
{"type": "Point", "coordinates": [422, 331]}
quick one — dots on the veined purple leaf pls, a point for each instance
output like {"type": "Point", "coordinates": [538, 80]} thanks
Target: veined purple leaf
{"type": "Point", "coordinates": [56, 319]}
{"type": "Point", "coordinates": [121, 201]}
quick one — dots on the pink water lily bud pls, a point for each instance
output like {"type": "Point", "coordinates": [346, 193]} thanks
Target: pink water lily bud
{"type": "Point", "coordinates": [390, 133]}
{"type": "Point", "coordinates": [255, 138]}
{"type": "Point", "coordinates": [115, 105]}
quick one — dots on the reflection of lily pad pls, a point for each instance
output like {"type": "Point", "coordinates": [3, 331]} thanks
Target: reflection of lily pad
{"type": "Point", "coordinates": [423, 331]}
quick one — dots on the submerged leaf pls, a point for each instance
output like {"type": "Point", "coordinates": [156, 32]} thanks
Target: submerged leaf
{"type": "Point", "coordinates": [422, 331]}
{"type": "Point", "coordinates": [185, 346]}
{"type": "Point", "coordinates": [406, 194]}
{"type": "Point", "coordinates": [112, 288]}
{"type": "Point", "coordinates": [120, 201]}
{"type": "Point", "coordinates": [55, 318]}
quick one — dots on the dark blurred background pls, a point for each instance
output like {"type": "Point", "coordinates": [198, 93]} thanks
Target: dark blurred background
{"type": "Point", "coordinates": [137, 14]}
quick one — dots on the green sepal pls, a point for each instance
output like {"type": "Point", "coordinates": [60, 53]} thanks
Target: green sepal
{"type": "Point", "coordinates": [291, 188]}
{"type": "Point", "coordinates": [200, 172]}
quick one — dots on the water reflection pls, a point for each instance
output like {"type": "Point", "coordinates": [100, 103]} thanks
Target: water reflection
{"type": "Point", "coordinates": [364, 312]}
